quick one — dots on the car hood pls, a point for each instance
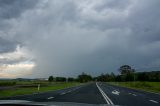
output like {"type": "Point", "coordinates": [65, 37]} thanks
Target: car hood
{"type": "Point", "coordinates": [31, 103]}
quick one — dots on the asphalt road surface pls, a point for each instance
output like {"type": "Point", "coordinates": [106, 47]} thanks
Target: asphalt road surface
{"type": "Point", "coordinates": [96, 93]}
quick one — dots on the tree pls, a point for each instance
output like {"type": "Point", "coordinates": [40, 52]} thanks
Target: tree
{"type": "Point", "coordinates": [118, 78]}
{"type": "Point", "coordinates": [106, 77]}
{"type": "Point", "coordinates": [113, 76]}
{"type": "Point", "coordinates": [60, 79]}
{"type": "Point", "coordinates": [50, 79]}
{"type": "Point", "coordinates": [125, 69]}
{"type": "Point", "coordinates": [70, 79]}
{"type": "Point", "coordinates": [102, 78]}
{"type": "Point", "coordinates": [127, 73]}
{"type": "Point", "coordinates": [84, 77]}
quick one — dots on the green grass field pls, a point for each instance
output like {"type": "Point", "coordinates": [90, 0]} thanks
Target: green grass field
{"type": "Point", "coordinates": [146, 86]}
{"type": "Point", "coordinates": [34, 89]}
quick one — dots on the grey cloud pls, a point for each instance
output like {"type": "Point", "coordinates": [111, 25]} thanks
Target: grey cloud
{"type": "Point", "coordinates": [8, 61]}
{"type": "Point", "coordinates": [144, 21]}
{"type": "Point", "coordinates": [7, 45]}
{"type": "Point", "coordinates": [66, 42]}
{"type": "Point", "coordinates": [14, 8]}
{"type": "Point", "coordinates": [11, 9]}
{"type": "Point", "coordinates": [113, 4]}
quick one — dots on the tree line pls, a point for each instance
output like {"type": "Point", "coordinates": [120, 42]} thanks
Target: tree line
{"type": "Point", "coordinates": [81, 78]}
{"type": "Point", "coordinates": [126, 74]}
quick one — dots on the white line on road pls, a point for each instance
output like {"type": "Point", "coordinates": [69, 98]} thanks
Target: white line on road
{"type": "Point", "coordinates": [63, 93]}
{"type": "Point", "coordinates": [50, 98]}
{"type": "Point", "coordinates": [153, 101]}
{"type": "Point", "coordinates": [134, 94]}
{"type": "Point", "coordinates": [108, 100]}
{"type": "Point", "coordinates": [68, 91]}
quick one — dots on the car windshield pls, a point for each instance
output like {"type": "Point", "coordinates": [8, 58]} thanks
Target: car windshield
{"type": "Point", "coordinates": [80, 52]}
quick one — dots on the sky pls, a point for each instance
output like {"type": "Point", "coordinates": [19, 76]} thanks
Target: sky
{"type": "Point", "coordinates": [39, 38]}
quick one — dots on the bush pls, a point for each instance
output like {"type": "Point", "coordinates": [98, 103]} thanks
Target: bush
{"type": "Point", "coordinates": [7, 83]}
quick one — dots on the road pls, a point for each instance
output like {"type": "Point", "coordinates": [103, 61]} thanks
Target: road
{"type": "Point", "coordinates": [96, 93]}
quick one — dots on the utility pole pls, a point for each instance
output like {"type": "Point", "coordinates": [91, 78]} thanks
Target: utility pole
{"type": "Point", "coordinates": [38, 87]}
{"type": "Point", "coordinates": [134, 79]}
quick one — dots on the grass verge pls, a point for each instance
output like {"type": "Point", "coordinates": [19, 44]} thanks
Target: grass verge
{"type": "Point", "coordinates": [31, 90]}
{"type": "Point", "coordinates": [145, 86]}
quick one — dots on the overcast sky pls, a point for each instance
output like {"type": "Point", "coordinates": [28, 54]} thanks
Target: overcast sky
{"type": "Point", "coordinates": [39, 38]}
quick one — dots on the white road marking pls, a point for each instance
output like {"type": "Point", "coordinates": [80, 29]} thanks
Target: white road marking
{"type": "Point", "coordinates": [134, 94]}
{"type": "Point", "coordinates": [153, 101]}
{"type": "Point", "coordinates": [108, 100]}
{"type": "Point", "coordinates": [152, 92]}
{"type": "Point", "coordinates": [68, 91]}
{"type": "Point", "coordinates": [50, 98]}
{"type": "Point", "coordinates": [115, 92]}
{"type": "Point", "coordinates": [63, 93]}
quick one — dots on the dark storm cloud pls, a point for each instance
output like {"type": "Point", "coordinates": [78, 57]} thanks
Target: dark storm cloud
{"type": "Point", "coordinates": [7, 46]}
{"type": "Point", "coordinates": [14, 8]}
{"type": "Point", "coordinates": [144, 20]}
{"type": "Point", "coordinates": [95, 36]}
{"type": "Point", "coordinates": [11, 9]}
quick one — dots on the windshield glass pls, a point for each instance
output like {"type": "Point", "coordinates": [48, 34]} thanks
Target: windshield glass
{"type": "Point", "coordinates": [80, 52]}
